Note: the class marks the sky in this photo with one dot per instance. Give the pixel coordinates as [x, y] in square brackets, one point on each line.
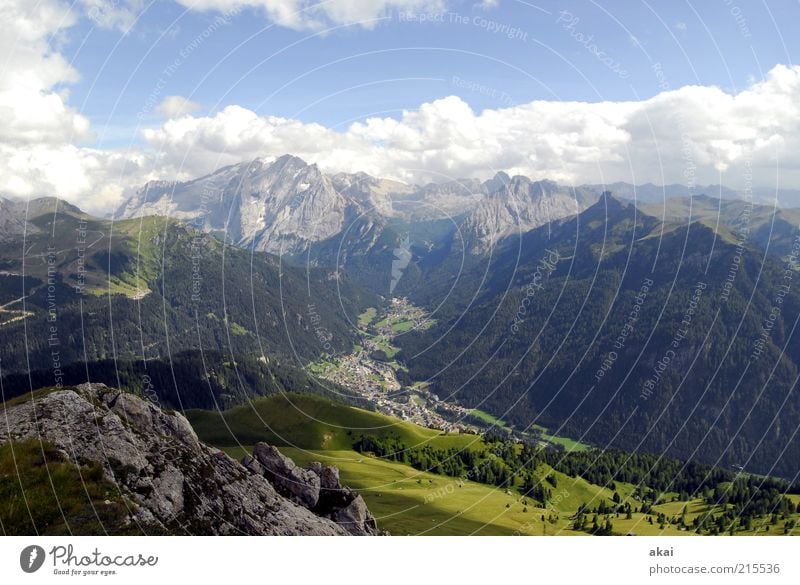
[99, 96]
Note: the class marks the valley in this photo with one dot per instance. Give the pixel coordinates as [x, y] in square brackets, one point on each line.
[412, 268]
[372, 372]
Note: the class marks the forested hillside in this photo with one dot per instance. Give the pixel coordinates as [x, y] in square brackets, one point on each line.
[620, 330]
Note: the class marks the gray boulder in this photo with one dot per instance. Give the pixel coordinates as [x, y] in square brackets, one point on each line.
[317, 488]
[298, 484]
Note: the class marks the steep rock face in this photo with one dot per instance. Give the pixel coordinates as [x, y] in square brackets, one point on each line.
[370, 192]
[168, 479]
[518, 205]
[11, 224]
[283, 206]
[279, 207]
[286, 206]
[299, 485]
[445, 200]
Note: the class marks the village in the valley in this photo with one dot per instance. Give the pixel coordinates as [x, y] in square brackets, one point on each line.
[372, 371]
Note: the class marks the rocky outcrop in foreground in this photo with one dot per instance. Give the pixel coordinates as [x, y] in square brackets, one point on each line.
[316, 488]
[171, 482]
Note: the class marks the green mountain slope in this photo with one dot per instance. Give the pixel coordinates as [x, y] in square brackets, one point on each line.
[414, 480]
[81, 290]
[312, 422]
[616, 329]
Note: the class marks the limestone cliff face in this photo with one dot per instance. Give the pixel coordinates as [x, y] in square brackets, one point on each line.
[518, 205]
[171, 482]
[286, 206]
[280, 207]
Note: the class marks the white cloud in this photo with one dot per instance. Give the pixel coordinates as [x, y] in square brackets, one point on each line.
[694, 132]
[175, 106]
[30, 111]
[93, 179]
[318, 14]
[119, 14]
[41, 136]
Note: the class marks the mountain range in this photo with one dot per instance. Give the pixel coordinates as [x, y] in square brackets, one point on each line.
[212, 291]
[356, 222]
[285, 205]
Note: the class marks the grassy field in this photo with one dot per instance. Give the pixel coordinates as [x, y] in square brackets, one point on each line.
[487, 418]
[60, 225]
[42, 493]
[311, 422]
[367, 317]
[402, 326]
[406, 501]
[309, 428]
[567, 443]
[409, 501]
[387, 348]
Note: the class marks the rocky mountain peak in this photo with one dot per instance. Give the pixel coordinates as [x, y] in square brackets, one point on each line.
[286, 206]
[288, 162]
[496, 183]
[609, 204]
[518, 206]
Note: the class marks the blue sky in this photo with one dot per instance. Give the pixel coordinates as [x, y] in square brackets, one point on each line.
[352, 72]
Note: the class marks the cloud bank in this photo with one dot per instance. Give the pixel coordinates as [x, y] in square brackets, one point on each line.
[317, 14]
[693, 134]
